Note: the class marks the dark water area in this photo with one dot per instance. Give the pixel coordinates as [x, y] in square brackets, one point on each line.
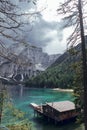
[22, 97]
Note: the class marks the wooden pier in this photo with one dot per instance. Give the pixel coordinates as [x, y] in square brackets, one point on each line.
[57, 111]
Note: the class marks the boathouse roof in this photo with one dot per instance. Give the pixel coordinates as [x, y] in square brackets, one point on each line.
[62, 106]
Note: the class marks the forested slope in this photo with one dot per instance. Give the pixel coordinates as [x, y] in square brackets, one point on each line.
[61, 73]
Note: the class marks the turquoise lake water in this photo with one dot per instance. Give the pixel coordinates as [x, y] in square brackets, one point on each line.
[22, 97]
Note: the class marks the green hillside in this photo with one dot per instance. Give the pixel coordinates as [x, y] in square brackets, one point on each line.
[59, 76]
[62, 73]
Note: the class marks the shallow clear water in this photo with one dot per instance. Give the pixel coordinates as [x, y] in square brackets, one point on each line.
[22, 97]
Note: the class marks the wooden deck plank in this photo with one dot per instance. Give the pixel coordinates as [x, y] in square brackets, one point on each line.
[58, 111]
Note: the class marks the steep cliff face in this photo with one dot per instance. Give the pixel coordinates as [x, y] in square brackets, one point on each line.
[27, 54]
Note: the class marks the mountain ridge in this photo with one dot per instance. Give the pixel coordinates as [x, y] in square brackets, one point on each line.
[28, 54]
[61, 73]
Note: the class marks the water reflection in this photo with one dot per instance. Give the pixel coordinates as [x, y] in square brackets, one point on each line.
[21, 91]
[24, 96]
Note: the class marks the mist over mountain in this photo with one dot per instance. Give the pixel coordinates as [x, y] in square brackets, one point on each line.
[28, 54]
[60, 74]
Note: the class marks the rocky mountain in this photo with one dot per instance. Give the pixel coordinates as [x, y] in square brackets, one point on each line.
[31, 60]
[62, 72]
[67, 56]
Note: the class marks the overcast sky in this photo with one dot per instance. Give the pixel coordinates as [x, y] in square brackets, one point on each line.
[47, 29]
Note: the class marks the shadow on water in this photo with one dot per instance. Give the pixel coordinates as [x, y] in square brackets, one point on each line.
[22, 97]
[42, 124]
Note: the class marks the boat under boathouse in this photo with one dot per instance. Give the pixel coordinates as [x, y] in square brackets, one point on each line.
[57, 111]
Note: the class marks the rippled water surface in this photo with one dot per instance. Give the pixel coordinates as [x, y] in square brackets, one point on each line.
[22, 97]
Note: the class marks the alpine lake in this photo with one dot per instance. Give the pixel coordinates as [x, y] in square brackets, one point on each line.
[22, 97]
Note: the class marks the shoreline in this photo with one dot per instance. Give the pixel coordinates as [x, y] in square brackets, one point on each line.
[55, 89]
[63, 90]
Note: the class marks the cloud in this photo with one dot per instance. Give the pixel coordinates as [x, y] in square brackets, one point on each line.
[42, 33]
[46, 31]
[47, 35]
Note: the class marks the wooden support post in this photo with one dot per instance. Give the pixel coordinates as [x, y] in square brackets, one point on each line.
[37, 114]
[34, 113]
[55, 122]
[48, 119]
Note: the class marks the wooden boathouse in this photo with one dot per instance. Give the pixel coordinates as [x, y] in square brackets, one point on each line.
[57, 111]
